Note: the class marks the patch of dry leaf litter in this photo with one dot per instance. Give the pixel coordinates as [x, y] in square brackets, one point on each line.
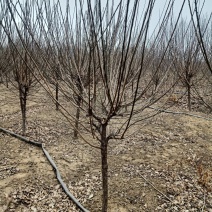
[38, 198]
[181, 191]
[179, 172]
[37, 195]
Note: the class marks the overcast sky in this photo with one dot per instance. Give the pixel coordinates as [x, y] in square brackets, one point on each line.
[157, 11]
[158, 8]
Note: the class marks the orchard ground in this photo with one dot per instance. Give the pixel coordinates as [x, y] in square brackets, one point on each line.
[165, 165]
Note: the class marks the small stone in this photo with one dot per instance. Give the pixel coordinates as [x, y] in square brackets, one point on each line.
[90, 196]
[34, 209]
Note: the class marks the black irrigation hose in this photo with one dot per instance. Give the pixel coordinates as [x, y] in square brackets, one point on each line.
[52, 164]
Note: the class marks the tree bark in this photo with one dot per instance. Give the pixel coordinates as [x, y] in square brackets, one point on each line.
[57, 87]
[23, 91]
[78, 101]
[77, 117]
[125, 99]
[57, 99]
[188, 83]
[104, 144]
[189, 96]
[7, 83]
[1, 80]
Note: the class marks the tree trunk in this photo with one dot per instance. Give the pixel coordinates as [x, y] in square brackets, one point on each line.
[57, 99]
[7, 83]
[94, 97]
[1, 80]
[57, 87]
[188, 83]
[79, 99]
[23, 100]
[189, 96]
[132, 88]
[125, 100]
[104, 144]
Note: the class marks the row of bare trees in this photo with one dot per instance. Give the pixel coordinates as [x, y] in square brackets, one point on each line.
[104, 61]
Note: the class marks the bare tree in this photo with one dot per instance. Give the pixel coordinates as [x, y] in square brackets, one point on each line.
[4, 51]
[187, 57]
[202, 39]
[20, 47]
[105, 54]
[4, 65]
[203, 25]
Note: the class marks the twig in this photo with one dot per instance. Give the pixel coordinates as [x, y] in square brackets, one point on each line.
[203, 202]
[158, 190]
